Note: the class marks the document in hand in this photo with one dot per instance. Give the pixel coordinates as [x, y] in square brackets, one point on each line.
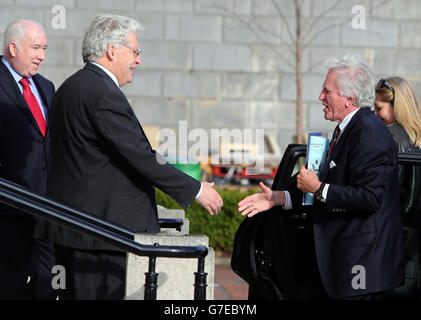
[317, 149]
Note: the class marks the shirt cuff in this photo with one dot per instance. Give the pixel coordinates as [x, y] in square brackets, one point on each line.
[324, 193]
[200, 191]
[288, 202]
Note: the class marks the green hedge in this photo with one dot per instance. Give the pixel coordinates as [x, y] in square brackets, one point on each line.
[219, 228]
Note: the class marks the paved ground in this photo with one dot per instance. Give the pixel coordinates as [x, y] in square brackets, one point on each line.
[228, 285]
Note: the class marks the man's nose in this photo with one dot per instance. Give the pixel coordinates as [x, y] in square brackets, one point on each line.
[321, 96]
[41, 54]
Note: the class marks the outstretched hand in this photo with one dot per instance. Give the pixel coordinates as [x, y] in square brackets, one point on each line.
[261, 201]
[210, 199]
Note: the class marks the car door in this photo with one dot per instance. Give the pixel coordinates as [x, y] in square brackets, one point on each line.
[410, 198]
[274, 252]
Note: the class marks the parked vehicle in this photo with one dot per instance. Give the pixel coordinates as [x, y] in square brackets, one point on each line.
[257, 165]
[274, 250]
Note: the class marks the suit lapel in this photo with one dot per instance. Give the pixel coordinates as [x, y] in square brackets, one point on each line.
[337, 149]
[358, 115]
[43, 91]
[11, 89]
[99, 71]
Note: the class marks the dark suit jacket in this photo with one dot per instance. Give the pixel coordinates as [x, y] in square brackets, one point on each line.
[360, 223]
[24, 151]
[102, 162]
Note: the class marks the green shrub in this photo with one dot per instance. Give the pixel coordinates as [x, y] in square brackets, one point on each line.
[219, 228]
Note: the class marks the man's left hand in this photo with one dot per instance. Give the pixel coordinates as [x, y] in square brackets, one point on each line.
[307, 180]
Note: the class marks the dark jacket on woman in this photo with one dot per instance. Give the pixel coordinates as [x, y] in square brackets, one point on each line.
[409, 176]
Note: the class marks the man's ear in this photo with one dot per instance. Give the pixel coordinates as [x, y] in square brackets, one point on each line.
[111, 52]
[350, 102]
[13, 48]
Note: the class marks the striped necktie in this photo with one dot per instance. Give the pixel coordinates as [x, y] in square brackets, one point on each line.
[335, 136]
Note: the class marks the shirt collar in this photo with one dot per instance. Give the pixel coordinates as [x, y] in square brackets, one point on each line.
[112, 76]
[347, 119]
[14, 73]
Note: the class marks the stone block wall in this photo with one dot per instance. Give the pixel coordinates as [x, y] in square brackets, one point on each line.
[228, 63]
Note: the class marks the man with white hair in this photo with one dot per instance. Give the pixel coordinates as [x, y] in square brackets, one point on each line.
[356, 218]
[102, 162]
[25, 98]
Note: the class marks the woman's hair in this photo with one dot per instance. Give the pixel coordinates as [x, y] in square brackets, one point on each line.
[405, 105]
[107, 29]
[355, 79]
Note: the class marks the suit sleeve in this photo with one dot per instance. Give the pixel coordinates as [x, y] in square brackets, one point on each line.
[124, 138]
[361, 184]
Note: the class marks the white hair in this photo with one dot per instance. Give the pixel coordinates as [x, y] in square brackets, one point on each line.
[15, 31]
[355, 79]
[107, 30]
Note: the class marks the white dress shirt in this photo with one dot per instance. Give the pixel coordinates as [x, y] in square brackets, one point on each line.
[342, 126]
[32, 85]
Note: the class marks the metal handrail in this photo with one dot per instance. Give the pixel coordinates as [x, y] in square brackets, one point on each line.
[172, 223]
[53, 211]
[13, 187]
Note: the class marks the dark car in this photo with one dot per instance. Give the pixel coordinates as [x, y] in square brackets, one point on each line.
[274, 250]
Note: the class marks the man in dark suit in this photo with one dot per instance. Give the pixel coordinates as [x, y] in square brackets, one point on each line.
[102, 162]
[25, 98]
[356, 218]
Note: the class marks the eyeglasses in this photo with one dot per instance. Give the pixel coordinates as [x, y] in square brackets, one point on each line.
[136, 51]
[383, 83]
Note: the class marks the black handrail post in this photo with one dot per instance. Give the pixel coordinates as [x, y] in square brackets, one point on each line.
[200, 281]
[151, 280]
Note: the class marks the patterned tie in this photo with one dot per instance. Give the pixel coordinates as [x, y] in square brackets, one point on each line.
[335, 136]
[33, 105]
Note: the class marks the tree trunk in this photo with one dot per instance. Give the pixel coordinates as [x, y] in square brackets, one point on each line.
[298, 73]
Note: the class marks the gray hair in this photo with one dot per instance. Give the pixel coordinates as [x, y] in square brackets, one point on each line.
[107, 30]
[355, 79]
[15, 32]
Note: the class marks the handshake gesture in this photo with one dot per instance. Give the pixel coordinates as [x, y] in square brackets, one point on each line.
[210, 199]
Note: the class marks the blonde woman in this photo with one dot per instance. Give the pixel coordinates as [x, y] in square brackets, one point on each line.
[397, 105]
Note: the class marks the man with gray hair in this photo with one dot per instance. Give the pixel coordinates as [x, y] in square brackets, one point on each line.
[102, 162]
[356, 218]
[25, 98]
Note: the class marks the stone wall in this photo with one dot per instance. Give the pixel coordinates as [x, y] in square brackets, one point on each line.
[218, 64]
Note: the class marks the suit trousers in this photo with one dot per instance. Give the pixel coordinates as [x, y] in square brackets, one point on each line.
[23, 259]
[92, 274]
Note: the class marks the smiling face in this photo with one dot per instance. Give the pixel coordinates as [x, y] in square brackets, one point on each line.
[336, 106]
[27, 53]
[126, 61]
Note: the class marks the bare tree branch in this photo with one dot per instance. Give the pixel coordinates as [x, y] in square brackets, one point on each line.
[332, 26]
[337, 25]
[264, 31]
[284, 19]
[319, 17]
[270, 46]
[258, 31]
